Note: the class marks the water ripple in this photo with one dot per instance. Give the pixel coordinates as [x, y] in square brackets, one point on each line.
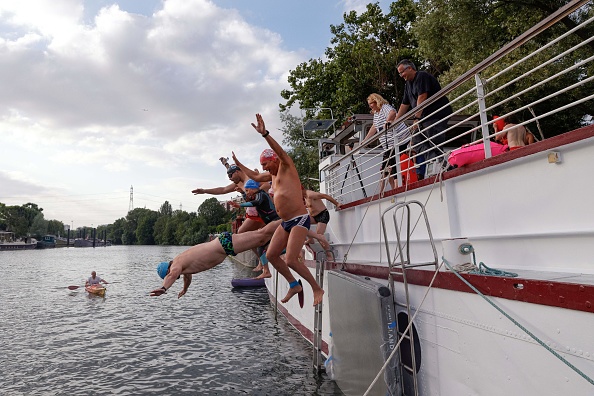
[213, 341]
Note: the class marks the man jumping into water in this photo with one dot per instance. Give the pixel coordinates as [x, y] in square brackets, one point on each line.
[207, 255]
[290, 207]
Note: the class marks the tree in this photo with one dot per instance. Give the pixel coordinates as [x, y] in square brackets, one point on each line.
[304, 152]
[454, 36]
[212, 212]
[117, 231]
[144, 229]
[165, 209]
[363, 59]
[18, 219]
[39, 226]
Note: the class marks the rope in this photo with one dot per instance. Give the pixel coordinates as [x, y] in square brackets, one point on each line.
[410, 322]
[534, 337]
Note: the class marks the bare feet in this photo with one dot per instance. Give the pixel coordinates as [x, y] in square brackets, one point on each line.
[323, 242]
[292, 291]
[318, 296]
[258, 268]
[265, 273]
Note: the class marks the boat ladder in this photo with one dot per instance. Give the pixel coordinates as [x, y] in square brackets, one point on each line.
[395, 270]
[318, 360]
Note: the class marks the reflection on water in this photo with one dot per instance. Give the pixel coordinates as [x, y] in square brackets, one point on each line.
[214, 340]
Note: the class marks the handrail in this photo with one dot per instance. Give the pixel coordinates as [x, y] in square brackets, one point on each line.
[341, 179]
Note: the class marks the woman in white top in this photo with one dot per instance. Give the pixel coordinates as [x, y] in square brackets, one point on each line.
[383, 115]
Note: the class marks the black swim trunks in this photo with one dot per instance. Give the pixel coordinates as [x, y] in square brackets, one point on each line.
[322, 217]
[226, 240]
[301, 221]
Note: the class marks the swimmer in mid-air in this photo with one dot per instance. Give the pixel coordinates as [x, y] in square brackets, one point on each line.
[205, 256]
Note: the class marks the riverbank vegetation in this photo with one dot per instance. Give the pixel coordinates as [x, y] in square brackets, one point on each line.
[140, 226]
[443, 37]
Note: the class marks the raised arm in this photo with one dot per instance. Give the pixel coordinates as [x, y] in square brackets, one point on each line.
[261, 128]
[318, 195]
[259, 177]
[216, 190]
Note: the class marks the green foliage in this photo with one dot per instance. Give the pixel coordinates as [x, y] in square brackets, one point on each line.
[362, 60]
[445, 38]
[39, 226]
[212, 212]
[18, 219]
[454, 36]
[303, 151]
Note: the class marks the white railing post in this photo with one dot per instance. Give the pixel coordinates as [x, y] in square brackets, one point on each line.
[480, 94]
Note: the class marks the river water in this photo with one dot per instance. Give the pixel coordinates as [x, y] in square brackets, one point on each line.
[213, 341]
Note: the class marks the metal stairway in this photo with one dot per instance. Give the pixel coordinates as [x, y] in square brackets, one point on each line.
[403, 254]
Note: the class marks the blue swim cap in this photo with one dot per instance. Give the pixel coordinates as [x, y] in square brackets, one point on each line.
[162, 269]
[232, 169]
[251, 184]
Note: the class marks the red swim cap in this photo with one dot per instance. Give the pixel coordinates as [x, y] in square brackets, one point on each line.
[500, 122]
[268, 155]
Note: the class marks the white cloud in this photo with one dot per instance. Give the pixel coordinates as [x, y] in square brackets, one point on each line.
[129, 94]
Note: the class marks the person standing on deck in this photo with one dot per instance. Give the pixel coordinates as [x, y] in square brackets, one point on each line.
[418, 87]
[291, 208]
[383, 115]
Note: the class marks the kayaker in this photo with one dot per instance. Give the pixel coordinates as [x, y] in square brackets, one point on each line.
[95, 280]
[205, 256]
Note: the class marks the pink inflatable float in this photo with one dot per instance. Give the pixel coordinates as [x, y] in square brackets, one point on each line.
[470, 154]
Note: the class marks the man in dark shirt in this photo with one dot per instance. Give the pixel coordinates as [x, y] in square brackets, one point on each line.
[419, 86]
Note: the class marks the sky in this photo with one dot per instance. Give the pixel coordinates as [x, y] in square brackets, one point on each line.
[98, 96]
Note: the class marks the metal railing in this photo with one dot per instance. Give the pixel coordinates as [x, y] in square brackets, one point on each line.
[522, 76]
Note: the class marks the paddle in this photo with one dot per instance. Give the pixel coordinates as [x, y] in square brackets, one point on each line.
[72, 287]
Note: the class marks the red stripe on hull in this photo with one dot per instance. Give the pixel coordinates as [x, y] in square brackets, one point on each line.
[574, 296]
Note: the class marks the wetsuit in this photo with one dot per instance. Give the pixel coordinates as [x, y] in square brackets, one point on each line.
[264, 205]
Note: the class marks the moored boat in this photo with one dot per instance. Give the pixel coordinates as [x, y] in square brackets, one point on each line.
[96, 290]
[409, 265]
[7, 242]
[47, 242]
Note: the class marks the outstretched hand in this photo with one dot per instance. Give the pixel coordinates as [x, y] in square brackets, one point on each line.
[157, 292]
[198, 191]
[261, 128]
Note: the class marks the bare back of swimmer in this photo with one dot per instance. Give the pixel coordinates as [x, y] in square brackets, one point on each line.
[207, 255]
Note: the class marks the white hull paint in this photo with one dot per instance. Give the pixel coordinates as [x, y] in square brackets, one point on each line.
[527, 211]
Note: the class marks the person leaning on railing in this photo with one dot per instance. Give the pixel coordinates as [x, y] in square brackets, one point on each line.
[383, 114]
[418, 87]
